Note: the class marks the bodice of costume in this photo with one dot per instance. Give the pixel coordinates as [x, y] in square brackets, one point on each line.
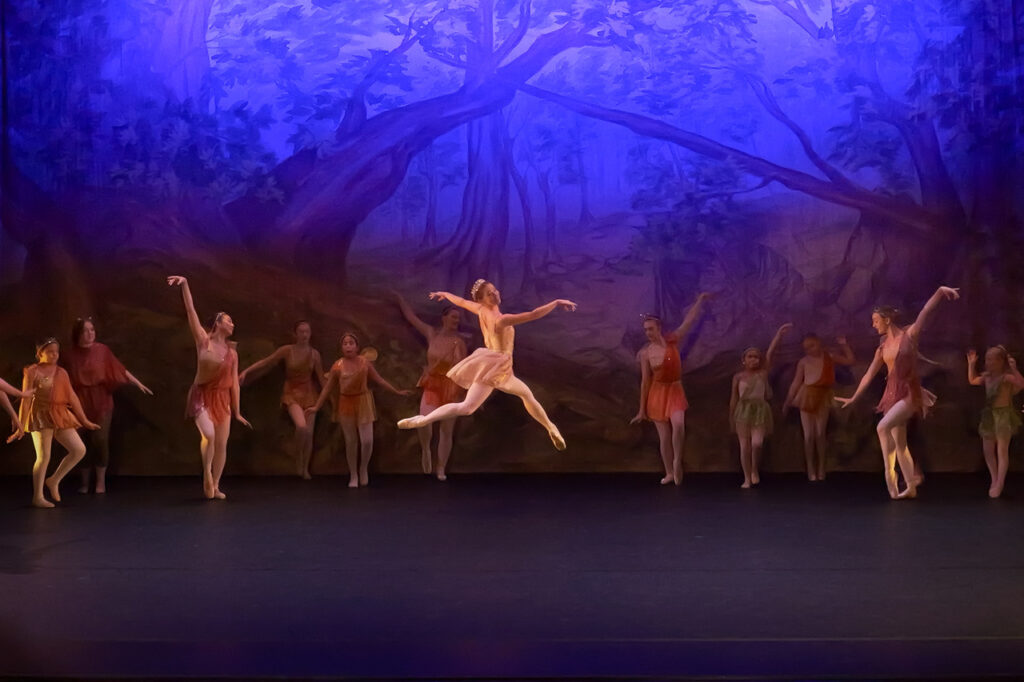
[298, 370]
[754, 387]
[671, 368]
[352, 376]
[500, 340]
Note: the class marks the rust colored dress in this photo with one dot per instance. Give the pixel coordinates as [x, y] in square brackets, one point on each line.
[213, 395]
[665, 396]
[95, 374]
[902, 381]
[354, 398]
[443, 353]
[492, 364]
[812, 397]
[50, 407]
[298, 381]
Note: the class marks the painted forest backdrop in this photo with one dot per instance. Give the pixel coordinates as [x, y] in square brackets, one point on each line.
[802, 159]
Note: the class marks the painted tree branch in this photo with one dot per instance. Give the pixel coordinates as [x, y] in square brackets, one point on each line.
[513, 41]
[903, 212]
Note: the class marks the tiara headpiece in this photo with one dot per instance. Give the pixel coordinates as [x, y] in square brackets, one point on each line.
[476, 287]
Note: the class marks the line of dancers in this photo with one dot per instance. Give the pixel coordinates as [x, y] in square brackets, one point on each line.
[57, 401]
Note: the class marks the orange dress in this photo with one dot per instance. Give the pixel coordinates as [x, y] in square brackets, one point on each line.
[298, 381]
[665, 396]
[354, 398]
[50, 407]
[213, 395]
[902, 381]
[492, 364]
[95, 373]
[443, 353]
[812, 397]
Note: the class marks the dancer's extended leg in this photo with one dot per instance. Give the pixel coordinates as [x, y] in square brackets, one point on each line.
[43, 441]
[351, 432]
[743, 434]
[665, 447]
[206, 437]
[678, 421]
[303, 439]
[72, 442]
[365, 452]
[220, 455]
[892, 436]
[475, 397]
[516, 387]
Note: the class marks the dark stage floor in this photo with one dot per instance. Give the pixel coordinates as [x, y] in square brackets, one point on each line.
[515, 576]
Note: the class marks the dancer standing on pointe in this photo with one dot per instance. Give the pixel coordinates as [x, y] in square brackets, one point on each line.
[811, 392]
[903, 397]
[490, 367]
[53, 412]
[1000, 420]
[750, 414]
[95, 374]
[445, 349]
[302, 365]
[214, 395]
[662, 399]
[348, 385]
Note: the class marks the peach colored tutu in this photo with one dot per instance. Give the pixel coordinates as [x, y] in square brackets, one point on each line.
[483, 366]
[664, 399]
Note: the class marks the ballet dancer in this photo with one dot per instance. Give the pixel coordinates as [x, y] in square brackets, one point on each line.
[903, 397]
[750, 415]
[811, 393]
[445, 348]
[95, 374]
[490, 367]
[214, 395]
[347, 383]
[53, 412]
[662, 398]
[1000, 420]
[302, 365]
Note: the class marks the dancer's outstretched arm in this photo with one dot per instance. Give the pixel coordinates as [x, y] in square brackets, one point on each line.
[471, 306]
[138, 384]
[692, 315]
[536, 313]
[941, 293]
[198, 333]
[264, 363]
[845, 355]
[332, 379]
[774, 345]
[5, 403]
[876, 365]
[385, 383]
[973, 378]
[412, 318]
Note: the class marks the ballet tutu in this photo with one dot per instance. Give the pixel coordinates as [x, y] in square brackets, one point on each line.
[813, 398]
[216, 401]
[896, 391]
[483, 366]
[755, 413]
[358, 405]
[439, 390]
[299, 393]
[999, 422]
[45, 415]
[665, 398]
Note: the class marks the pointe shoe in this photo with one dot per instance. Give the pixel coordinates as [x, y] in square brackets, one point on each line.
[53, 487]
[908, 494]
[410, 422]
[557, 439]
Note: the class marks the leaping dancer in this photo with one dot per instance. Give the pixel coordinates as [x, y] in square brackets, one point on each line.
[490, 367]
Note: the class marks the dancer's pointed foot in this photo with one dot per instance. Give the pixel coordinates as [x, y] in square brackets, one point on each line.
[811, 476]
[746, 484]
[208, 488]
[557, 439]
[995, 491]
[53, 486]
[42, 503]
[364, 477]
[441, 476]
[353, 482]
[667, 479]
[219, 495]
[908, 494]
[677, 473]
[410, 422]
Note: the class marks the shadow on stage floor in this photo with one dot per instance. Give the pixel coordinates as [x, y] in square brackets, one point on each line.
[515, 577]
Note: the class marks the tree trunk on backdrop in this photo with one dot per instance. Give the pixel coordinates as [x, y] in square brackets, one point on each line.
[430, 219]
[551, 250]
[181, 57]
[522, 190]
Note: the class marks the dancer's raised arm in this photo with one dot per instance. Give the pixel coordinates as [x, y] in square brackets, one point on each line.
[1014, 374]
[941, 293]
[198, 333]
[692, 315]
[876, 364]
[774, 345]
[412, 318]
[471, 306]
[973, 378]
[536, 313]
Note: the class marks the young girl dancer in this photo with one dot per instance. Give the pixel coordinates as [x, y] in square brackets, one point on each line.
[903, 397]
[353, 406]
[445, 348]
[213, 397]
[490, 367]
[1000, 420]
[750, 415]
[53, 412]
[662, 399]
[95, 374]
[811, 392]
[302, 365]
